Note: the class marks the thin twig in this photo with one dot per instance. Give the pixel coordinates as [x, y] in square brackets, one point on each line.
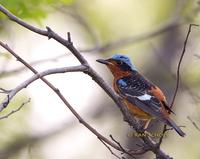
[179, 64]
[177, 79]
[193, 123]
[163, 133]
[123, 149]
[117, 142]
[16, 110]
[5, 91]
[195, 97]
[168, 129]
[109, 149]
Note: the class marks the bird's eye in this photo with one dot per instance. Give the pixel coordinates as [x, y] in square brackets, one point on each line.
[119, 62]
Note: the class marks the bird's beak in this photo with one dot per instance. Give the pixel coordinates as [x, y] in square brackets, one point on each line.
[106, 62]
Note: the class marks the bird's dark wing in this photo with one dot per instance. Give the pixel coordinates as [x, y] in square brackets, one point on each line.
[135, 90]
[133, 85]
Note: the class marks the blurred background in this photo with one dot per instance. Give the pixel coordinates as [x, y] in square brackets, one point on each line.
[150, 32]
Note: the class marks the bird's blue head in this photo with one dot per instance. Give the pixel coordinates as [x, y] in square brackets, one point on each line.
[123, 59]
[120, 61]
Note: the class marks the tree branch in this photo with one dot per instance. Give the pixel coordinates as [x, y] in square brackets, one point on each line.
[48, 33]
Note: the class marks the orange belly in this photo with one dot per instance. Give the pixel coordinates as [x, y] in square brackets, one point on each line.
[137, 112]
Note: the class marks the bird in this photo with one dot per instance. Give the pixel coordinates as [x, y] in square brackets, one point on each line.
[144, 100]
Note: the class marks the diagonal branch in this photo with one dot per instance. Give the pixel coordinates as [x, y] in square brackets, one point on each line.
[48, 33]
[21, 22]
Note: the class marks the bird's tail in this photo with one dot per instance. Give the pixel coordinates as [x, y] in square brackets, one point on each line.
[171, 123]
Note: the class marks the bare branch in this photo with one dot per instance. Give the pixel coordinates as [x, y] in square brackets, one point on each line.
[49, 33]
[22, 23]
[16, 110]
[69, 37]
